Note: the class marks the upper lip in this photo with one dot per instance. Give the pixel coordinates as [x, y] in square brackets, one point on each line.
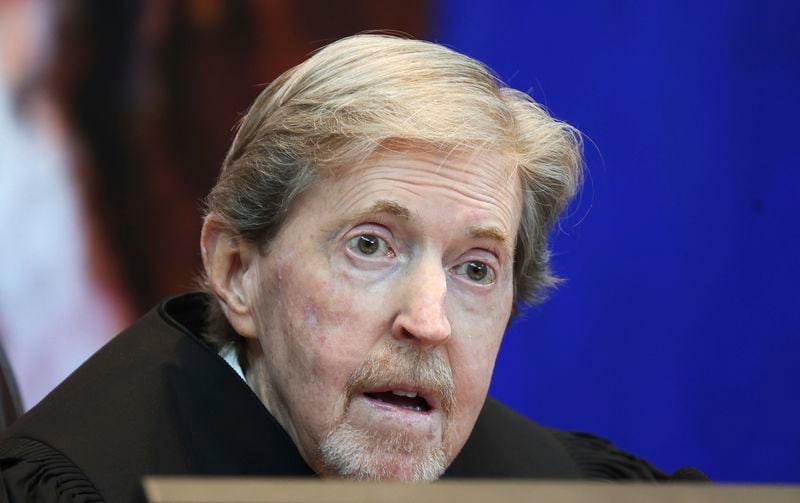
[431, 397]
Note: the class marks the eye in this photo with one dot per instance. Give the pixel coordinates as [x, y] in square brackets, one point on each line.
[369, 245]
[477, 272]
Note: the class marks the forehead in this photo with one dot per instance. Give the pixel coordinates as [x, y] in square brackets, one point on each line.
[485, 184]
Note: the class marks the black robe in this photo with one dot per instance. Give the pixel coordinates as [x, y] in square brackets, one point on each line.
[158, 400]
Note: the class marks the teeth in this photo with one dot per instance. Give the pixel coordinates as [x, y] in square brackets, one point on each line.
[409, 394]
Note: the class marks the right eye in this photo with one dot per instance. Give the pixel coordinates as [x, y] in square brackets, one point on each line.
[369, 245]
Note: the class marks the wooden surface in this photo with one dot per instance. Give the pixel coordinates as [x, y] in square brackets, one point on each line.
[249, 490]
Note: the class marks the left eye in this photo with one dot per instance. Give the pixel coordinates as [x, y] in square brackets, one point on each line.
[369, 245]
[475, 271]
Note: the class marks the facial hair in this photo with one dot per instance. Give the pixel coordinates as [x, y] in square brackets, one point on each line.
[353, 452]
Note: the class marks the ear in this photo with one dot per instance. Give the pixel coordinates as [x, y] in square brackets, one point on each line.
[228, 260]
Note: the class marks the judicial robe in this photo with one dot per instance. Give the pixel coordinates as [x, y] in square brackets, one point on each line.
[158, 400]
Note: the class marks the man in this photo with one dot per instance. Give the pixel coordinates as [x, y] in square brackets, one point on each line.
[383, 207]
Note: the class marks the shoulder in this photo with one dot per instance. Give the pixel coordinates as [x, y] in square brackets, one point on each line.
[599, 459]
[125, 379]
[504, 444]
[33, 471]
[157, 400]
[507, 444]
[133, 396]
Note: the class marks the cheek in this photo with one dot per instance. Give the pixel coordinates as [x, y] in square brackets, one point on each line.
[473, 352]
[473, 372]
[472, 364]
[329, 330]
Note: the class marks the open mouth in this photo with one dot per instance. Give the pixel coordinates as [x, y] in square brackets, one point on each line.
[403, 399]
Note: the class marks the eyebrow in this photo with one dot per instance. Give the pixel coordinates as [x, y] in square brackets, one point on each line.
[391, 207]
[495, 234]
[477, 232]
[386, 206]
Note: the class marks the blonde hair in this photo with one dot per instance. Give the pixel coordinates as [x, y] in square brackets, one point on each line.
[359, 94]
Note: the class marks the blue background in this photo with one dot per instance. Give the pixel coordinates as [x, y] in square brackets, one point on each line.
[677, 334]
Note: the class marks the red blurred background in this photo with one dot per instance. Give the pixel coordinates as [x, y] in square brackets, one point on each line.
[116, 117]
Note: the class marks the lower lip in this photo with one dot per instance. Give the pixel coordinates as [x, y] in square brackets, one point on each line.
[394, 408]
[375, 414]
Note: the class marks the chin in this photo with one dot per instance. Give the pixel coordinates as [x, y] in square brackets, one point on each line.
[356, 454]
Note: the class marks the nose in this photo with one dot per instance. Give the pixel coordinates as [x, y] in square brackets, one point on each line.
[423, 313]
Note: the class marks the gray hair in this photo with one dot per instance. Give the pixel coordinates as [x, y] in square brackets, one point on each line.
[357, 95]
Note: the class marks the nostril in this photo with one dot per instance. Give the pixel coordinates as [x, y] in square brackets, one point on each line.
[427, 332]
[405, 334]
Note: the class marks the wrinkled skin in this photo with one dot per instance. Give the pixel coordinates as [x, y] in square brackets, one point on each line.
[408, 250]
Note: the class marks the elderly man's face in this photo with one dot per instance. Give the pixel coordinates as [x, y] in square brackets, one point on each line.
[379, 309]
